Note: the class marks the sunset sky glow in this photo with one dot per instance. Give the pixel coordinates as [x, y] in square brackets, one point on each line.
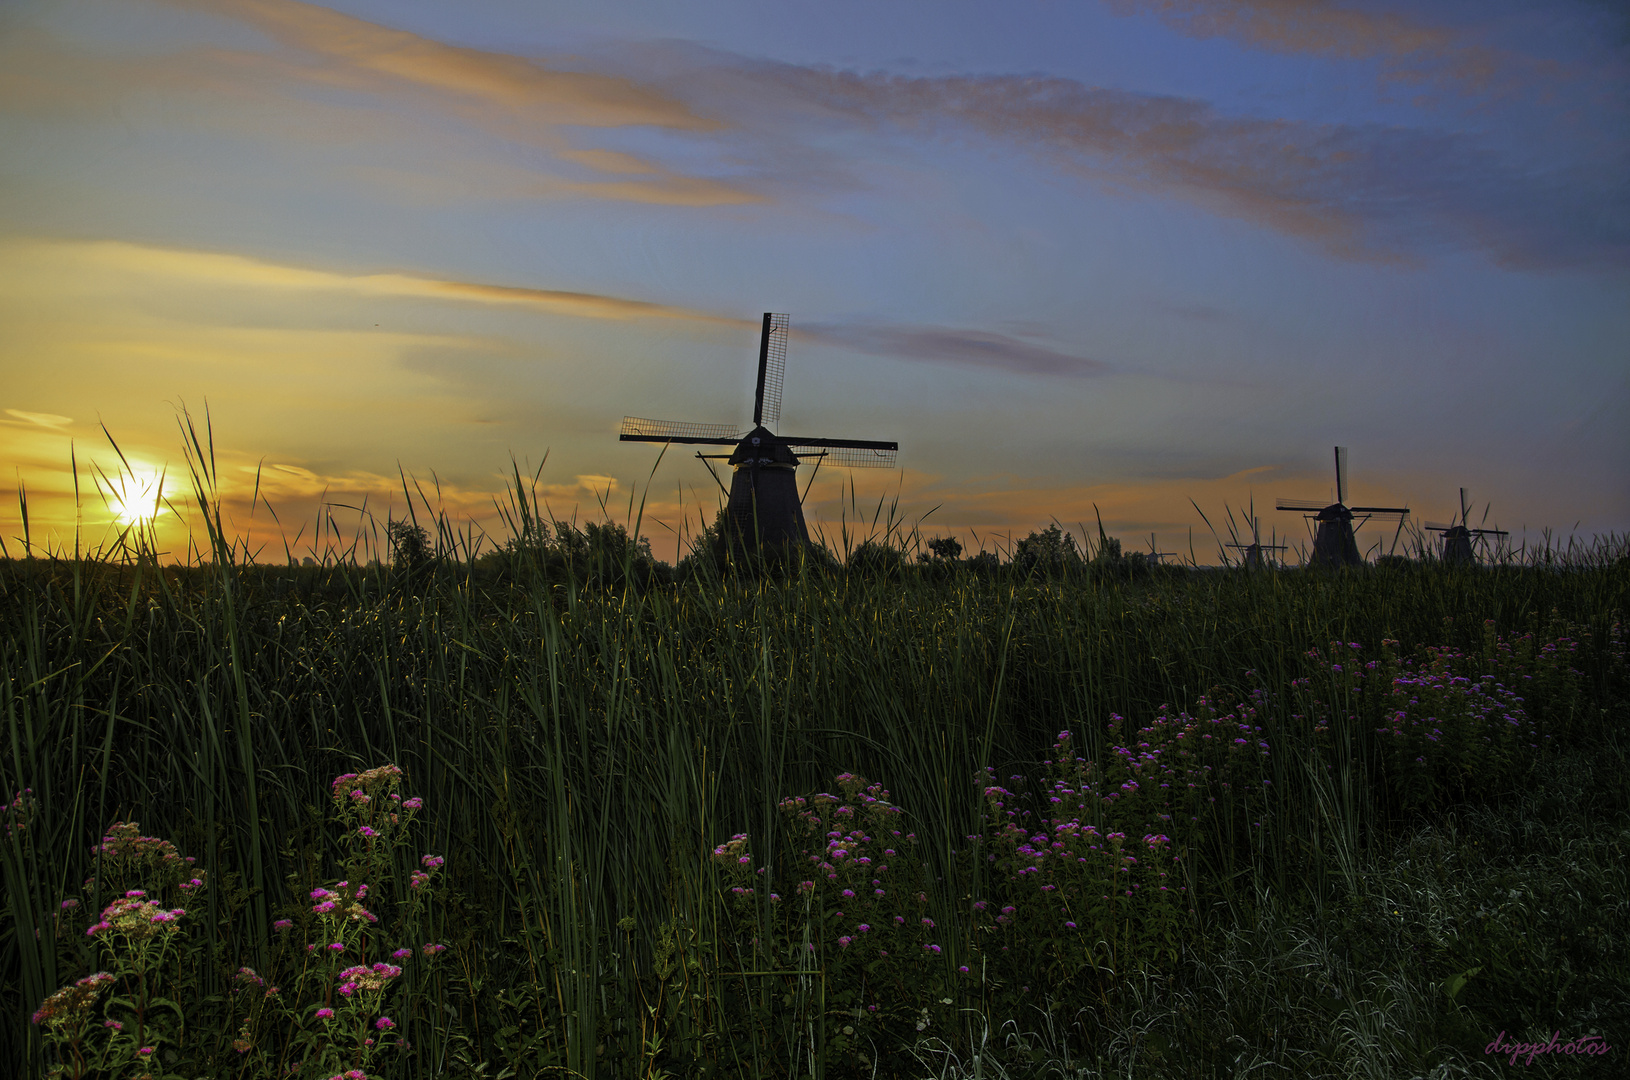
[1069, 253]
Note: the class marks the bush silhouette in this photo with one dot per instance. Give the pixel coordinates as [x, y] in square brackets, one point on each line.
[410, 546]
[875, 558]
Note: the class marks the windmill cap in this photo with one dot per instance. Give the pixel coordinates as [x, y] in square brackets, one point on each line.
[760, 446]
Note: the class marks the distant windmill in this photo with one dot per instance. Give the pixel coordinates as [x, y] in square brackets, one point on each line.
[1254, 559]
[1457, 537]
[1333, 542]
[764, 490]
[1158, 558]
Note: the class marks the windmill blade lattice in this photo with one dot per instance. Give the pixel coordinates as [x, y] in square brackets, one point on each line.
[772, 366]
[772, 369]
[640, 429]
[850, 457]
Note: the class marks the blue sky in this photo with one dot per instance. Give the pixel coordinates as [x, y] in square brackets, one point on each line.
[1117, 254]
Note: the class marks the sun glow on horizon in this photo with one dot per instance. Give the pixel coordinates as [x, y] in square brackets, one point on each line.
[135, 498]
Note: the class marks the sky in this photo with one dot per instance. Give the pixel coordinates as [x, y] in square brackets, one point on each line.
[1137, 261]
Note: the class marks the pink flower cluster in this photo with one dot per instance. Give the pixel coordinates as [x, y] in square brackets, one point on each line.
[356, 786]
[19, 811]
[849, 842]
[247, 979]
[124, 854]
[364, 979]
[135, 917]
[343, 903]
[70, 1002]
[421, 878]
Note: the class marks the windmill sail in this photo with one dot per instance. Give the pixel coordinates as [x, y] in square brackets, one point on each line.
[851, 454]
[1341, 474]
[639, 429]
[772, 369]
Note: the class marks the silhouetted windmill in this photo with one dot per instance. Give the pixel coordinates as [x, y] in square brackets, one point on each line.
[764, 489]
[1253, 551]
[1333, 542]
[1457, 537]
[1158, 558]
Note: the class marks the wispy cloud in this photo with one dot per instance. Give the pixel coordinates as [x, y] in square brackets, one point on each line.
[322, 71]
[219, 269]
[945, 345]
[666, 188]
[37, 419]
[751, 131]
[363, 55]
[1360, 190]
[932, 344]
[1407, 46]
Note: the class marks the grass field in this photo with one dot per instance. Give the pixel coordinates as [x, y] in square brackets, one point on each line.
[932, 818]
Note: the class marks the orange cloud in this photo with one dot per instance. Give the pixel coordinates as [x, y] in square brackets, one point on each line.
[669, 190]
[611, 161]
[515, 98]
[366, 52]
[148, 263]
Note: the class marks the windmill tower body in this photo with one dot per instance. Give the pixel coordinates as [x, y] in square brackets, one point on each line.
[1457, 546]
[763, 506]
[764, 491]
[1333, 541]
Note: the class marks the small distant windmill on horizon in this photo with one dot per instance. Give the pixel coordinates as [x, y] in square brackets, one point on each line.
[764, 490]
[1333, 541]
[1457, 536]
[1253, 557]
[1158, 558]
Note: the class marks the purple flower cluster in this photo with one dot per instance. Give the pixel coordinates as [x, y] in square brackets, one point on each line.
[1065, 866]
[1444, 719]
[860, 865]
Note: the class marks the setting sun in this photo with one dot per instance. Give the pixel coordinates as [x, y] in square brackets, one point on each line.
[134, 498]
